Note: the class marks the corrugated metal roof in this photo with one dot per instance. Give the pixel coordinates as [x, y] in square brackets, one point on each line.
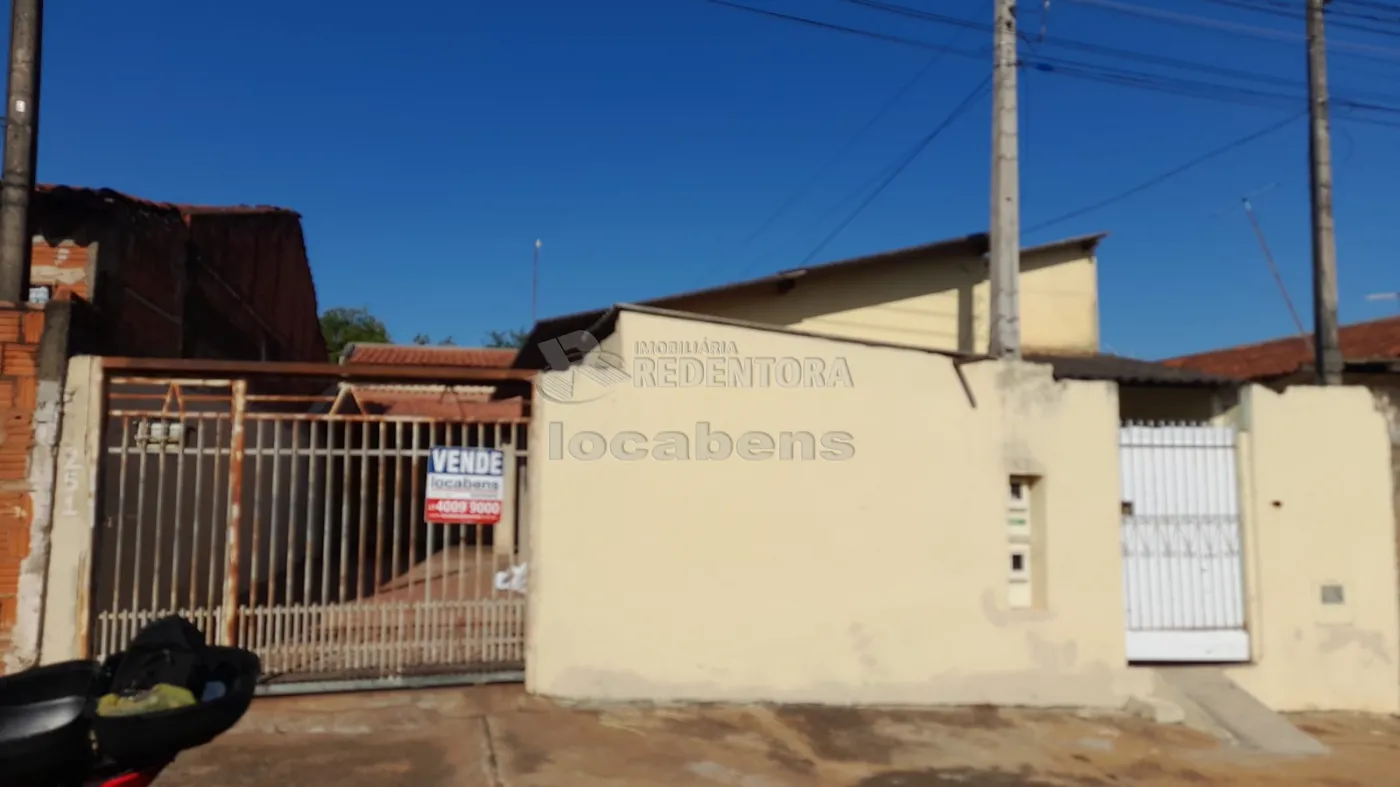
[1364, 341]
[1129, 371]
[111, 195]
[423, 355]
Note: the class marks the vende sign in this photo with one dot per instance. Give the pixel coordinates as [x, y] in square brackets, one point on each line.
[466, 486]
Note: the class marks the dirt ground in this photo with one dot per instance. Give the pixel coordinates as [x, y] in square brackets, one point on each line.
[496, 736]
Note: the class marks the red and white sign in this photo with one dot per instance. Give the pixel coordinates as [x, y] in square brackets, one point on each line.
[466, 486]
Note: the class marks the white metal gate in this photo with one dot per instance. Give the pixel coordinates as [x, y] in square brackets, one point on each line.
[1183, 583]
[287, 519]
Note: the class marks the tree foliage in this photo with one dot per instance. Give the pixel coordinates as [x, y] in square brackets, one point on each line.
[503, 340]
[343, 326]
[423, 340]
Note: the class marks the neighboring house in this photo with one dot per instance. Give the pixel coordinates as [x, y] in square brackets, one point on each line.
[1028, 544]
[936, 296]
[945, 529]
[179, 281]
[112, 274]
[451, 403]
[1370, 354]
[933, 296]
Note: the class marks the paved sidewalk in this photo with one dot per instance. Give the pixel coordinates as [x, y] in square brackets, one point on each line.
[498, 737]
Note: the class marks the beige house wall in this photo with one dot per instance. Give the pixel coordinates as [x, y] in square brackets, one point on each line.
[884, 578]
[1319, 497]
[879, 579]
[936, 302]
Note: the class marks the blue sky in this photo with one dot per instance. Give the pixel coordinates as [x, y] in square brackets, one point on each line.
[644, 140]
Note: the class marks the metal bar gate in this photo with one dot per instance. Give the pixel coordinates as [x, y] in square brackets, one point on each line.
[1183, 581]
[292, 524]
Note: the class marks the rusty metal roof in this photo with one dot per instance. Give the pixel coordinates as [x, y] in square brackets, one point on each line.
[112, 196]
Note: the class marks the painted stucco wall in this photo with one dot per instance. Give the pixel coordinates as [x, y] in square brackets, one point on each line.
[882, 578]
[937, 302]
[1317, 477]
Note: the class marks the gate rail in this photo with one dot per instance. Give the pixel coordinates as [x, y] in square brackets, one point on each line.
[279, 508]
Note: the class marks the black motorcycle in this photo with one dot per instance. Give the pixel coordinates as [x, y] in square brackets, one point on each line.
[121, 722]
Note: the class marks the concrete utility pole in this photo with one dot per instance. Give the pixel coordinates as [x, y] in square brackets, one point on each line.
[1328, 354]
[1005, 235]
[21, 147]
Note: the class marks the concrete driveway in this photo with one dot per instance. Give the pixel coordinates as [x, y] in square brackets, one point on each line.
[497, 736]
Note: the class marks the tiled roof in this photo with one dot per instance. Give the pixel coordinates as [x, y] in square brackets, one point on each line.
[1364, 341]
[1125, 370]
[441, 402]
[420, 355]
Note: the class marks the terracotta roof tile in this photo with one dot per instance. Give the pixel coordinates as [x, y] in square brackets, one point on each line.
[442, 402]
[419, 355]
[1364, 341]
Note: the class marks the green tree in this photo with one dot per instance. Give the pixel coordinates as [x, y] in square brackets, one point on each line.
[422, 340]
[503, 340]
[343, 326]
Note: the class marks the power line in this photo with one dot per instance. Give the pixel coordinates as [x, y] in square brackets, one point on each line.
[1096, 48]
[1167, 175]
[1098, 72]
[903, 164]
[1337, 17]
[846, 148]
[1254, 31]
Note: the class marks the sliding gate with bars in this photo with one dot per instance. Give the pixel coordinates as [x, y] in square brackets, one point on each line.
[292, 524]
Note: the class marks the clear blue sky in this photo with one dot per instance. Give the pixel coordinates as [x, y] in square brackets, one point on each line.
[428, 143]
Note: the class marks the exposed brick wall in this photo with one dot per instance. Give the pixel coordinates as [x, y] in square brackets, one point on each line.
[20, 331]
[62, 267]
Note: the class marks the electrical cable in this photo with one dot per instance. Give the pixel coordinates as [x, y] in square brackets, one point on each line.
[1096, 48]
[1101, 73]
[1266, 33]
[846, 148]
[1167, 175]
[903, 163]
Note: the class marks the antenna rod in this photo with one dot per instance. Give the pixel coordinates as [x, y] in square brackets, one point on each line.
[535, 286]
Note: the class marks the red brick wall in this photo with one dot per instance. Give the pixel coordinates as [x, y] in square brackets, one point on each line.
[62, 268]
[20, 330]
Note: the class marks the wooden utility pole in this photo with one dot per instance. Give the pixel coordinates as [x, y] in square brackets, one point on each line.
[21, 147]
[1328, 354]
[1005, 235]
